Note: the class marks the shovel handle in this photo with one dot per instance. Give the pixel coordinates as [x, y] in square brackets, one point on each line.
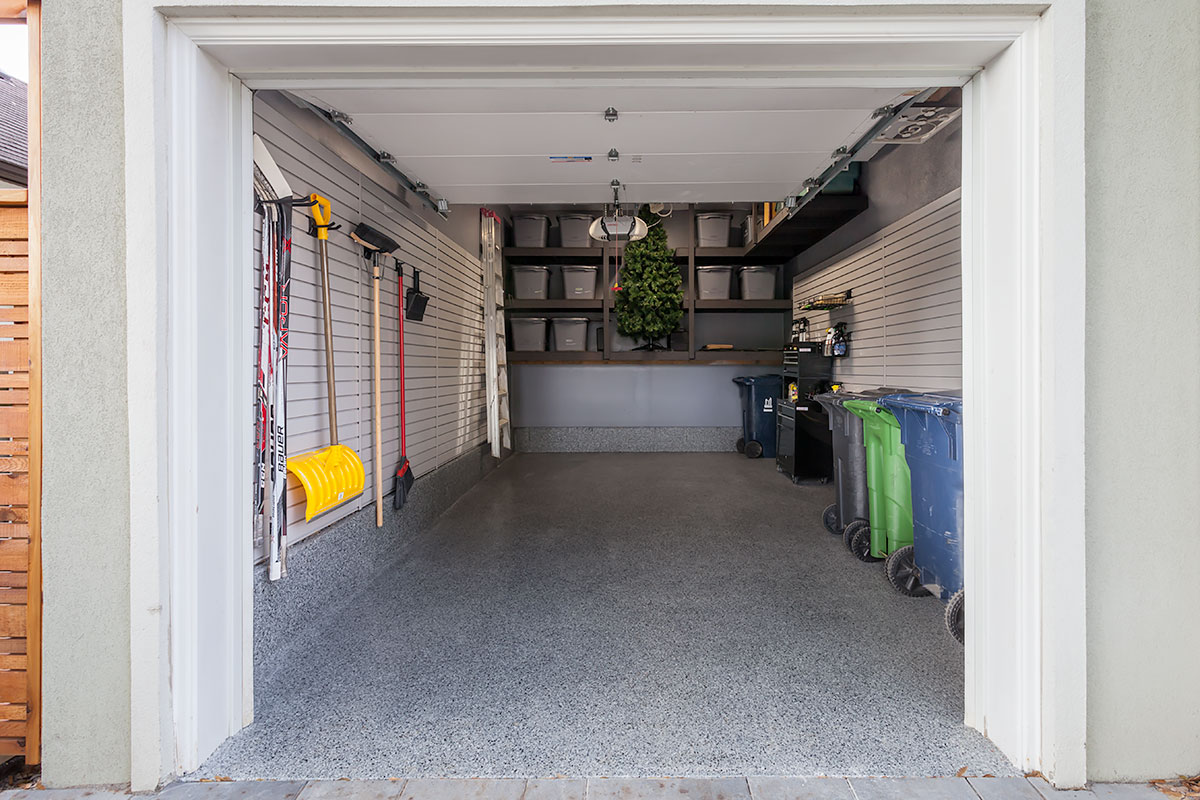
[322, 212]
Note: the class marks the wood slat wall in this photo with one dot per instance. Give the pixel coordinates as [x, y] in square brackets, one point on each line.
[444, 356]
[20, 585]
[905, 318]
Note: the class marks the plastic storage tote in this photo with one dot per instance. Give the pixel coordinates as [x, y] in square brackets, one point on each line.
[713, 282]
[573, 230]
[849, 460]
[579, 282]
[712, 230]
[530, 282]
[760, 399]
[528, 333]
[931, 429]
[889, 493]
[570, 333]
[530, 230]
[758, 283]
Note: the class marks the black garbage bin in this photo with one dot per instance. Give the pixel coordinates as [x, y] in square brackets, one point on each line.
[760, 400]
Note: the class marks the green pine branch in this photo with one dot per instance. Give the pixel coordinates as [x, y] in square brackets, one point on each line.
[649, 303]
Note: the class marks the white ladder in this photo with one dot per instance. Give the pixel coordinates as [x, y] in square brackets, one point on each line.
[496, 346]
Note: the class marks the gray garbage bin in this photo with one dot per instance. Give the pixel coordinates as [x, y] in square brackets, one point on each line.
[849, 459]
[528, 333]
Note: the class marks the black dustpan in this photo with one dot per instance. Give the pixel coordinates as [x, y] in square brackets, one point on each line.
[415, 300]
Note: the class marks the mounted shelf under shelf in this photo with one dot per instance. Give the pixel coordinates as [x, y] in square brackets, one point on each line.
[553, 356]
[825, 302]
[766, 358]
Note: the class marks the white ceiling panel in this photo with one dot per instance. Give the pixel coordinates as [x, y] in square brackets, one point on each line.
[517, 170]
[640, 132]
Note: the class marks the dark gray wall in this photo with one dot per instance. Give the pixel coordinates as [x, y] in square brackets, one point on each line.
[898, 181]
[626, 396]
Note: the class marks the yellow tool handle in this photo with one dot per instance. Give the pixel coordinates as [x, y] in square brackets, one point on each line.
[322, 213]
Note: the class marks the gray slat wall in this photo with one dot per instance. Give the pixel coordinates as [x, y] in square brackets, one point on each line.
[905, 315]
[444, 358]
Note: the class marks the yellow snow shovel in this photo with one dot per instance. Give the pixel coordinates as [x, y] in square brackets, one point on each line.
[335, 474]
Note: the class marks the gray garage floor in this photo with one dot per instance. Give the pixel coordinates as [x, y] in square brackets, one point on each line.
[620, 614]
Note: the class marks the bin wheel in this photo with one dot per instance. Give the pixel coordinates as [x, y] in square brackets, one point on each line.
[831, 519]
[902, 573]
[857, 537]
[956, 621]
[740, 446]
[753, 449]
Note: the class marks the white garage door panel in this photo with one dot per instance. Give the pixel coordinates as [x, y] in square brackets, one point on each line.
[594, 99]
[565, 134]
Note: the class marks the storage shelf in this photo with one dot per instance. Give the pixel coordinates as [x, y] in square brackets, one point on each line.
[553, 357]
[743, 305]
[767, 358]
[554, 255]
[649, 355]
[719, 255]
[551, 304]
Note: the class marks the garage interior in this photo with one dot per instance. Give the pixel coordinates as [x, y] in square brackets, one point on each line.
[621, 592]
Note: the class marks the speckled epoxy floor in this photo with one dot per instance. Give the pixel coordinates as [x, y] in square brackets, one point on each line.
[619, 614]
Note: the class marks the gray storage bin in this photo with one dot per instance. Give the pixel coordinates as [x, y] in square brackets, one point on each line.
[570, 333]
[528, 333]
[579, 282]
[758, 283]
[573, 229]
[712, 230]
[530, 230]
[713, 282]
[530, 282]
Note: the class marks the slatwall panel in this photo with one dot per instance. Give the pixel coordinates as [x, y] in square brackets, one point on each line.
[444, 355]
[905, 317]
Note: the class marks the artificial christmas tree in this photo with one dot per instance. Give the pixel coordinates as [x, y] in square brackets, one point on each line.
[649, 290]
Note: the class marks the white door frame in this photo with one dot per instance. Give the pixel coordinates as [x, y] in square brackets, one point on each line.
[1023, 314]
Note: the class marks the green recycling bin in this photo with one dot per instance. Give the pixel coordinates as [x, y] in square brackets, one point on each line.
[889, 487]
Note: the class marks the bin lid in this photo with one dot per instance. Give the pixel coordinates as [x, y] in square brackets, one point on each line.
[530, 216]
[529, 268]
[557, 320]
[758, 268]
[715, 215]
[838, 398]
[940, 404]
[871, 410]
[588, 217]
[578, 267]
[527, 320]
[711, 267]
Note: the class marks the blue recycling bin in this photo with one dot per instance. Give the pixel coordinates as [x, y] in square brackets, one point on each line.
[760, 400]
[932, 434]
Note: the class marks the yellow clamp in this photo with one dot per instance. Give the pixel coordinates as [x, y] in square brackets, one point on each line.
[322, 213]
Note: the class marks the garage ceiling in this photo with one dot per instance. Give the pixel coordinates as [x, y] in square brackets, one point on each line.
[478, 122]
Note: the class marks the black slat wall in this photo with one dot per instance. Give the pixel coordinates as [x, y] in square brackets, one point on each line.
[905, 318]
[444, 358]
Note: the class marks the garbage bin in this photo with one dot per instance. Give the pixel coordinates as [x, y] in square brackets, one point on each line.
[931, 430]
[760, 398]
[849, 459]
[889, 493]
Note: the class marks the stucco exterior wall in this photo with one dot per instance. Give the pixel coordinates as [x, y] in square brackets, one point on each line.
[1143, 336]
[85, 517]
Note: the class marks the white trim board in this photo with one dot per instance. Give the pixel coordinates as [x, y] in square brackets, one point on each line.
[1031, 91]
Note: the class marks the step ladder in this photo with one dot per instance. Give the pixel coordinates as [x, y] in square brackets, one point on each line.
[495, 344]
